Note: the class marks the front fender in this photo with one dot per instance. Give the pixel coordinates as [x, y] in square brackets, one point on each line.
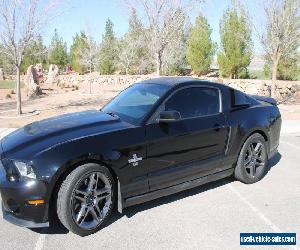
[53, 164]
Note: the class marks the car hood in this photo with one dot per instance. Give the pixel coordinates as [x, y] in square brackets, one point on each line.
[58, 129]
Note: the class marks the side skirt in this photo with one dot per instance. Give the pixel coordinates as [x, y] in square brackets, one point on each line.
[177, 188]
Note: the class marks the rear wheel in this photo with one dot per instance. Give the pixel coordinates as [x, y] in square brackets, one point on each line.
[86, 199]
[252, 164]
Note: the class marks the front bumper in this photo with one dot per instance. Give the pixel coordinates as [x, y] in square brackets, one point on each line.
[10, 217]
[15, 196]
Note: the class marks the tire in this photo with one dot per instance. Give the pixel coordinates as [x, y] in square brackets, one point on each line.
[81, 197]
[252, 164]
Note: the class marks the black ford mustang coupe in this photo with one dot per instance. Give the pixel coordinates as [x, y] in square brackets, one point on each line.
[156, 138]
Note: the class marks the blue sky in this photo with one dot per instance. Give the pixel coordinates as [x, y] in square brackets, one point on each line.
[91, 15]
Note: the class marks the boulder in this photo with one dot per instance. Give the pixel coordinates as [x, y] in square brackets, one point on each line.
[39, 70]
[32, 82]
[52, 78]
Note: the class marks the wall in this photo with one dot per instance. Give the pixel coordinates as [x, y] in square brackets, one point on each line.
[285, 89]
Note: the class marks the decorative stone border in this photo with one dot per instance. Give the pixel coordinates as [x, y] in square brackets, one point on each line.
[251, 86]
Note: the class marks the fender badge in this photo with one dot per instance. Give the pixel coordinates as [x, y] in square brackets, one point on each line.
[135, 160]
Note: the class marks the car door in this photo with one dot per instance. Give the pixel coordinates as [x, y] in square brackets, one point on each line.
[191, 147]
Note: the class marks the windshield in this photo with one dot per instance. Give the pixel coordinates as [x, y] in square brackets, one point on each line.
[134, 103]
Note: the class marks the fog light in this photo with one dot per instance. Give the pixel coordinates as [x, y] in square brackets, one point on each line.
[12, 205]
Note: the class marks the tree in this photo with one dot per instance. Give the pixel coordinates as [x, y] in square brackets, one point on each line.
[174, 55]
[35, 53]
[164, 21]
[83, 53]
[132, 51]
[58, 52]
[200, 47]
[282, 32]
[108, 50]
[5, 63]
[20, 23]
[126, 53]
[87, 53]
[236, 45]
[2, 57]
[142, 63]
[287, 68]
[78, 44]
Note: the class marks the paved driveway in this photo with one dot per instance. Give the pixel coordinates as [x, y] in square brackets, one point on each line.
[207, 217]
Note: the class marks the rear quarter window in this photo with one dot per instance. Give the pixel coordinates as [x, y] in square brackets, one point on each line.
[239, 98]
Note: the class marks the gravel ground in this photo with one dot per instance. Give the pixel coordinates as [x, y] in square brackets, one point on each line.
[208, 217]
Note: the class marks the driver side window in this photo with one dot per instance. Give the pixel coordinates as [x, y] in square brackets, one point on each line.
[194, 102]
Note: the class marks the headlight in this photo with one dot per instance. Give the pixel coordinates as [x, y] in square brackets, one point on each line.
[24, 169]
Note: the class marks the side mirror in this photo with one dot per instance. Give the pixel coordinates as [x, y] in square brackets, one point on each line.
[169, 116]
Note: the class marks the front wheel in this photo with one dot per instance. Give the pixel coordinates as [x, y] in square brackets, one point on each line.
[86, 199]
[252, 163]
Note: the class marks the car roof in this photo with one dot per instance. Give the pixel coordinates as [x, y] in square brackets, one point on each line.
[178, 81]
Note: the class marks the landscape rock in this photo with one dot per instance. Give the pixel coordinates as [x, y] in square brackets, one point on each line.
[52, 78]
[32, 82]
[39, 69]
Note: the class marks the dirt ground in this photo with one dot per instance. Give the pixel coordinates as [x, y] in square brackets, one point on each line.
[52, 103]
[61, 101]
